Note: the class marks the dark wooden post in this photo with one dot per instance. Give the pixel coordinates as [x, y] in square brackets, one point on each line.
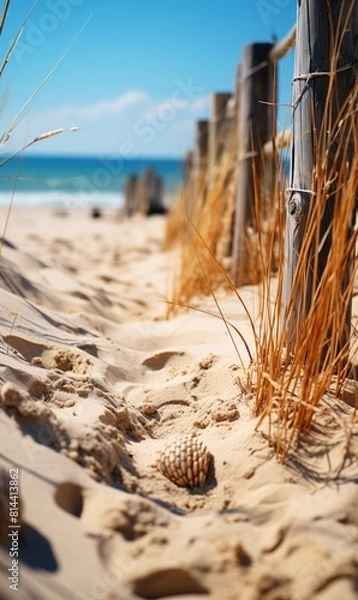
[201, 158]
[131, 191]
[188, 166]
[232, 113]
[152, 200]
[201, 144]
[325, 77]
[217, 132]
[256, 124]
[189, 181]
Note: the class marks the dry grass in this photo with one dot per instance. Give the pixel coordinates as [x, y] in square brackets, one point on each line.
[291, 381]
[5, 136]
[176, 225]
[303, 352]
[303, 348]
[203, 229]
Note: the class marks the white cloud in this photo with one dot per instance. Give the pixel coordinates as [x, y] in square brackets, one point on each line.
[200, 104]
[179, 105]
[161, 126]
[103, 108]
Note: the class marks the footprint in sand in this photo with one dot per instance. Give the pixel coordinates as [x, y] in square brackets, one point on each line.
[69, 497]
[49, 357]
[24, 348]
[167, 582]
[129, 520]
[34, 418]
[64, 359]
[160, 360]
[99, 447]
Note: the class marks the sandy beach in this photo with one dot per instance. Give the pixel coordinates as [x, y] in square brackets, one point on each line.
[95, 380]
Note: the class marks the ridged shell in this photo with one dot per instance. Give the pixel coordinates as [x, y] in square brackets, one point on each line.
[185, 461]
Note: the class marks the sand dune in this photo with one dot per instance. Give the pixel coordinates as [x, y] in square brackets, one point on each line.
[95, 380]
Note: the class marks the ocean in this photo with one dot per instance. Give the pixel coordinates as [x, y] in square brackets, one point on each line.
[78, 182]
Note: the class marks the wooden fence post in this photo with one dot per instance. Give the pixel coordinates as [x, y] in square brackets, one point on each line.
[200, 156]
[238, 81]
[232, 114]
[188, 166]
[188, 182]
[152, 197]
[201, 144]
[233, 106]
[256, 123]
[325, 74]
[131, 194]
[217, 122]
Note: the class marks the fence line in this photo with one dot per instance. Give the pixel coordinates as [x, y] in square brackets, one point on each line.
[231, 117]
[251, 118]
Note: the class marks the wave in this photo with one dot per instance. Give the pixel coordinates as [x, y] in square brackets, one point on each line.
[63, 200]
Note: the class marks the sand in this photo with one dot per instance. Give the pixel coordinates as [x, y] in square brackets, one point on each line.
[95, 380]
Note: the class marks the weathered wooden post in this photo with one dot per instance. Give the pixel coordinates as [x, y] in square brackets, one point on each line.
[201, 145]
[131, 192]
[152, 201]
[230, 125]
[201, 157]
[188, 181]
[232, 114]
[325, 77]
[238, 82]
[188, 166]
[217, 123]
[256, 122]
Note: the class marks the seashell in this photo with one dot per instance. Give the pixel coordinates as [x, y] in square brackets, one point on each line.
[185, 461]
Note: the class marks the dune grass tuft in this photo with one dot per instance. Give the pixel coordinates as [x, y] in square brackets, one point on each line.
[203, 229]
[293, 376]
[303, 353]
[304, 350]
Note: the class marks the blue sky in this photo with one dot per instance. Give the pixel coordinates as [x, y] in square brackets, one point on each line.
[136, 76]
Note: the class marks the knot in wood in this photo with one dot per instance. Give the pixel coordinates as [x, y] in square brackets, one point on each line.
[296, 206]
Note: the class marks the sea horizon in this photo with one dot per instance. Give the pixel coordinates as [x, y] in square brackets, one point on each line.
[65, 181]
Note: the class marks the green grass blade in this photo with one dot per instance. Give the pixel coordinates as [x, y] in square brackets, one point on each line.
[4, 14]
[16, 39]
[22, 112]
